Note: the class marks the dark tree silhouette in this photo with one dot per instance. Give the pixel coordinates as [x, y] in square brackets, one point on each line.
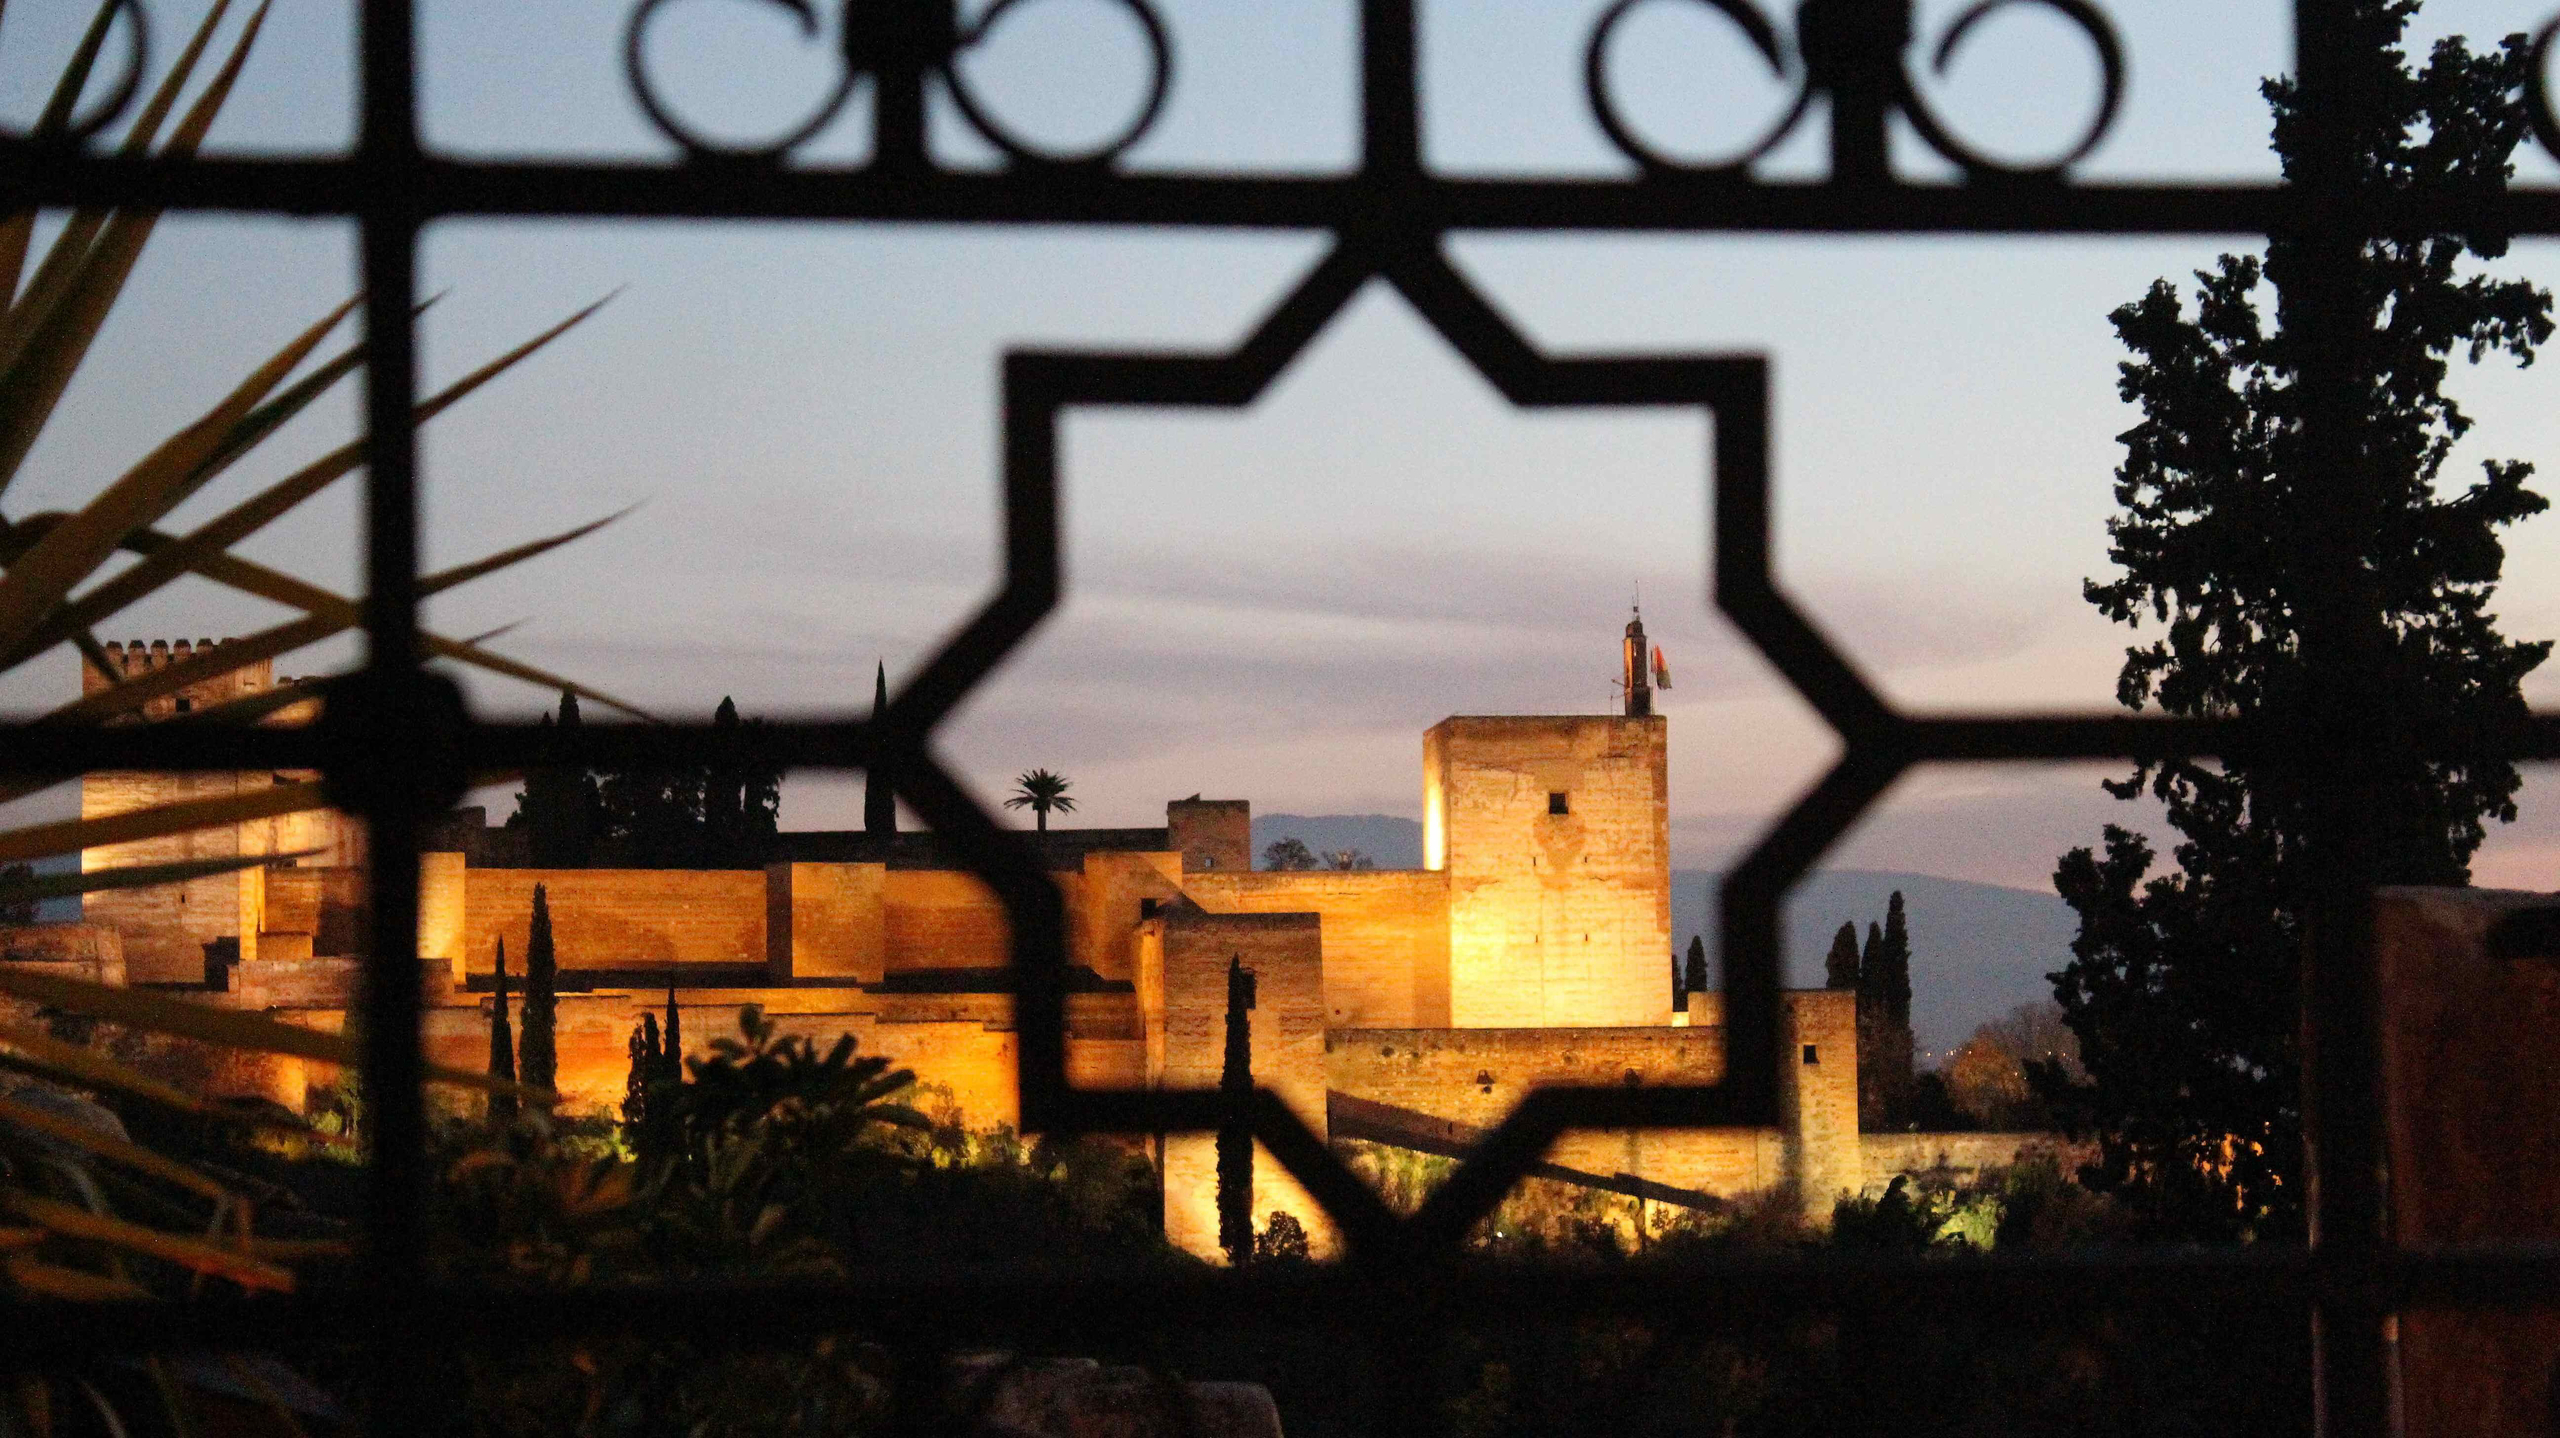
[539, 1063]
[1235, 1133]
[1884, 1021]
[559, 808]
[1694, 979]
[1288, 853]
[502, 1046]
[2183, 986]
[1040, 791]
[1840, 966]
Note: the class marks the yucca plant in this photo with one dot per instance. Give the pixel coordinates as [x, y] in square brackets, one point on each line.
[64, 1232]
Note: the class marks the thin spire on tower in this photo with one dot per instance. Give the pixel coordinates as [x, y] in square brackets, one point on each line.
[879, 794]
[1639, 677]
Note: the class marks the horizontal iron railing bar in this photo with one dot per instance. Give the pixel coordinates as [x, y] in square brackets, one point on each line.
[440, 188]
[1959, 737]
[42, 748]
[977, 1304]
[67, 750]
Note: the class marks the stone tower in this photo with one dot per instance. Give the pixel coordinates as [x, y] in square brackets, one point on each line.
[167, 928]
[1555, 832]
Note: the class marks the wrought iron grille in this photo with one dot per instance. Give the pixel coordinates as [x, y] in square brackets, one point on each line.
[396, 741]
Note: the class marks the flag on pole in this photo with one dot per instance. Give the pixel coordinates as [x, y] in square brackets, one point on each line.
[1661, 671]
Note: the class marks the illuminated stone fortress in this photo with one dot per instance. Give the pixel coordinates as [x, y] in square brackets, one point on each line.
[1408, 1007]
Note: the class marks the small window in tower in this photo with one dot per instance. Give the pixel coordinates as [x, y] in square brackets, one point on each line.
[1559, 802]
[186, 705]
[1810, 1056]
[1148, 908]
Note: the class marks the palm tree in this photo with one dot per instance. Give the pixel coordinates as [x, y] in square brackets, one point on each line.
[1041, 791]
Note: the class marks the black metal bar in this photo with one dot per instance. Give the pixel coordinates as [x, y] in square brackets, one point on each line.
[393, 1069]
[2335, 759]
[1059, 195]
[1390, 99]
[1024, 1306]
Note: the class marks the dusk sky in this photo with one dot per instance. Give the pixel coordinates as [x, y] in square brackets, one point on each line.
[1270, 604]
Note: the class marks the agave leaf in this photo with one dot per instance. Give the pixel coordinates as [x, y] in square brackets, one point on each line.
[132, 876]
[51, 1280]
[191, 1253]
[20, 227]
[132, 1155]
[485, 635]
[230, 1028]
[250, 516]
[34, 379]
[70, 836]
[133, 693]
[285, 589]
[62, 262]
[90, 1069]
[73, 549]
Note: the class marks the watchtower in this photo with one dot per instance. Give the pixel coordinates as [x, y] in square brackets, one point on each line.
[1555, 832]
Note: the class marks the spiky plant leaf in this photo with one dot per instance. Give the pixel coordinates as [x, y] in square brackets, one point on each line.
[62, 262]
[192, 1253]
[33, 381]
[19, 229]
[230, 1028]
[26, 1048]
[71, 550]
[70, 836]
[115, 1150]
[39, 887]
[250, 516]
[231, 655]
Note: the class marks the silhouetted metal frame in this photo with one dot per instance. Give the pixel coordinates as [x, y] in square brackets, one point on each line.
[396, 742]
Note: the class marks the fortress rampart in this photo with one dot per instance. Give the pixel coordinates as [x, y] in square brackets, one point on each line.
[1533, 949]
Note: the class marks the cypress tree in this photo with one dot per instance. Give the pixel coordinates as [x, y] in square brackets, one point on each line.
[636, 1081]
[1893, 986]
[541, 1046]
[1235, 1135]
[502, 1046]
[1696, 977]
[671, 1062]
[557, 809]
[1840, 966]
[879, 792]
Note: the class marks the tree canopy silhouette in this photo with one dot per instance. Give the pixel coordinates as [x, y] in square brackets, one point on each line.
[2183, 986]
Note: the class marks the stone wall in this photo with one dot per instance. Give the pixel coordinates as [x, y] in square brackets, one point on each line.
[617, 918]
[825, 921]
[1555, 834]
[1475, 1077]
[1386, 936]
[1288, 1050]
[936, 919]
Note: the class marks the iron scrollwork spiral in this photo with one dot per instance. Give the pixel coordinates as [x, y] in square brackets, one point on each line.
[73, 125]
[2537, 88]
[1854, 49]
[917, 37]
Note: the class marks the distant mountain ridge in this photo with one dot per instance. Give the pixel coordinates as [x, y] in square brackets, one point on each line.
[1977, 950]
